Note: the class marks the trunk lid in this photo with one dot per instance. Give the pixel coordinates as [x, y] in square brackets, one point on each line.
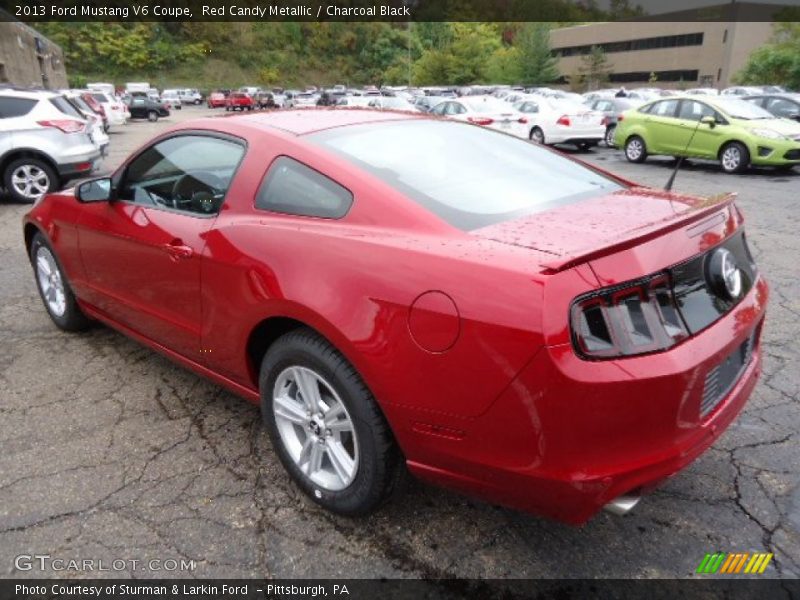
[586, 230]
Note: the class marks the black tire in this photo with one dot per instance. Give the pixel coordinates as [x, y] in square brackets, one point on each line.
[380, 463]
[734, 157]
[609, 138]
[635, 149]
[227, 109]
[72, 318]
[197, 102]
[537, 135]
[44, 176]
[583, 146]
[152, 116]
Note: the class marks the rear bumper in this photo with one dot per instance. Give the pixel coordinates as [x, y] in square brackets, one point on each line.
[79, 165]
[569, 436]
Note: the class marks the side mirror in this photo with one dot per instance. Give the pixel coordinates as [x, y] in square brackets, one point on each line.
[96, 190]
[710, 121]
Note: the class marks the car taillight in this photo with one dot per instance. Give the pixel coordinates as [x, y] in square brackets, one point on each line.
[563, 120]
[65, 125]
[522, 120]
[626, 320]
[480, 120]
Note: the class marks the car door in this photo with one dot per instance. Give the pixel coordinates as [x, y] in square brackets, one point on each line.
[699, 139]
[663, 129]
[142, 251]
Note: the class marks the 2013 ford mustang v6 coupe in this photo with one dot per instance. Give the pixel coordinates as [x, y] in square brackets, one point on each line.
[400, 293]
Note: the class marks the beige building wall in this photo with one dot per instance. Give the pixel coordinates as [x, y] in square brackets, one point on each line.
[24, 61]
[724, 50]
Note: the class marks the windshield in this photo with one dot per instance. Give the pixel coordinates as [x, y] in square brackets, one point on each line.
[469, 176]
[742, 109]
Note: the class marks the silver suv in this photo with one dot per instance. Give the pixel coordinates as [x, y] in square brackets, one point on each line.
[44, 143]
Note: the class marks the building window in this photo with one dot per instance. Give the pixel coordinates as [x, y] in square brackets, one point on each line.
[687, 75]
[653, 43]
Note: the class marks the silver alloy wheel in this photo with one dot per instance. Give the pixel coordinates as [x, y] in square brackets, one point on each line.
[731, 158]
[634, 149]
[30, 181]
[50, 282]
[315, 428]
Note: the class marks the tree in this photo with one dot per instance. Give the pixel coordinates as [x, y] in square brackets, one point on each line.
[777, 62]
[595, 68]
[504, 66]
[537, 63]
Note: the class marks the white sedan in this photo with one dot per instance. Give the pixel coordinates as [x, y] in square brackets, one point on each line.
[557, 121]
[484, 110]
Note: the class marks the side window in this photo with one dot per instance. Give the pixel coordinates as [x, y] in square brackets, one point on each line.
[531, 107]
[694, 111]
[187, 173]
[15, 107]
[458, 109]
[439, 108]
[664, 108]
[292, 188]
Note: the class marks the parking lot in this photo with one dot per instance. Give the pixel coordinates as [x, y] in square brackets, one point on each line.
[111, 451]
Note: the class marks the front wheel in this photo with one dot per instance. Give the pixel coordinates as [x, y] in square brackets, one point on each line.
[325, 425]
[734, 157]
[58, 299]
[152, 116]
[635, 149]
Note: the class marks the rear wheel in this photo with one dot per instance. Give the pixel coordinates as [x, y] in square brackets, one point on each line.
[734, 157]
[152, 116]
[635, 149]
[610, 135]
[325, 425]
[537, 135]
[54, 289]
[28, 179]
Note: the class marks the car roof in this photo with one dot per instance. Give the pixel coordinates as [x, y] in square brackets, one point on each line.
[30, 94]
[309, 120]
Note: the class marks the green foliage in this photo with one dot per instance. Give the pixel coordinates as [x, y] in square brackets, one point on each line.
[537, 63]
[777, 62]
[77, 81]
[595, 68]
[230, 54]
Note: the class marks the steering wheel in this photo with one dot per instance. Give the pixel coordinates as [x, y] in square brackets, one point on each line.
[199, 189]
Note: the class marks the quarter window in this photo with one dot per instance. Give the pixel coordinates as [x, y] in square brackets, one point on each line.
[185, 173]
[293, 188]
[15, 107]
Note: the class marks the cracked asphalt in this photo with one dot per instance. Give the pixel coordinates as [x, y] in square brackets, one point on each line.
[111, 451]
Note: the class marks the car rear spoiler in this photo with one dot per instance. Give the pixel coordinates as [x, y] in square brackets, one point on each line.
[696, 211]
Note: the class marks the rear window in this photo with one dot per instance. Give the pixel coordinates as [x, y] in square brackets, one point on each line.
[100, 97]
[65, 106]
[469, 176]
[15, 107]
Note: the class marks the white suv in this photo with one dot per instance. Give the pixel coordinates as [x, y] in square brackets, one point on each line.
[190, 96]
[116, 111]
[44, 143]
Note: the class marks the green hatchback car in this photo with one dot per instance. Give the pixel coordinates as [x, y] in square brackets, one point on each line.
[734, 132]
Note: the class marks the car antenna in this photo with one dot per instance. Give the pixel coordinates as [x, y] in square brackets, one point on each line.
[671, 180]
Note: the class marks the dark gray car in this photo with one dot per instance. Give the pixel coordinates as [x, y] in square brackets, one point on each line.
[780, 105]
[612, 108]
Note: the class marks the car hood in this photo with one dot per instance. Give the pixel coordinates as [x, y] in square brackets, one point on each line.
[581, 231]
[787, 127]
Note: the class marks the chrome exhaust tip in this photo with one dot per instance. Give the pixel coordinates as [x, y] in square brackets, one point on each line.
[622, 505]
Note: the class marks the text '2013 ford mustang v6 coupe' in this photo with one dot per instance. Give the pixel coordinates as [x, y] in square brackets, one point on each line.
[400, 293]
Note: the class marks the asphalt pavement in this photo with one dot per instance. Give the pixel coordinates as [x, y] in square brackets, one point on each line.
[111, 451]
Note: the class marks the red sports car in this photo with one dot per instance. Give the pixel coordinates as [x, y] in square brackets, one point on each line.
[400, 293]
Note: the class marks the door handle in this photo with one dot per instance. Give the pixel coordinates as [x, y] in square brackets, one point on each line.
[177, 249]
